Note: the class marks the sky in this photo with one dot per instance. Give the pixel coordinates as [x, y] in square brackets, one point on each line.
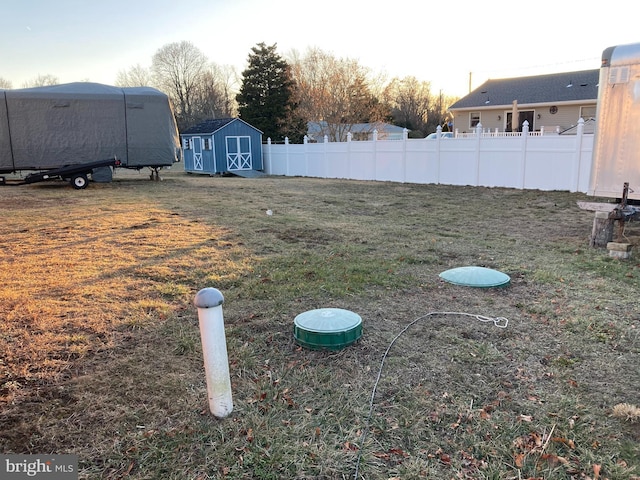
[451, 44]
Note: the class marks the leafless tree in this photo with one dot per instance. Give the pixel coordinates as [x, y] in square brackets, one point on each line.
[5, 84]
[41, 81]
[136, 76]
[179, 70]
[334, 93]
[215, 95]
[411, 103]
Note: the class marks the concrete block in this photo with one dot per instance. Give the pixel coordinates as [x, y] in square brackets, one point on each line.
[619, 250]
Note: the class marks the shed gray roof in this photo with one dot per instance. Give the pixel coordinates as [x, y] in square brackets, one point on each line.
[209, 126]
[552, 88]
[214, 124]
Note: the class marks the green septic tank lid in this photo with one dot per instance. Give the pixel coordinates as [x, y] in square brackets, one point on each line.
[327, 328]
[476, 277]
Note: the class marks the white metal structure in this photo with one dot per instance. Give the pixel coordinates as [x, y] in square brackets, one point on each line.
[616, 152]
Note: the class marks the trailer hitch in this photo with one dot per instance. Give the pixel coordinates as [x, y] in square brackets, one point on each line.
[624, 212]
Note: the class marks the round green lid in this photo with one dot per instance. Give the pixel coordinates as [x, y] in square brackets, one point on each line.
[476, 277]
[327, 328]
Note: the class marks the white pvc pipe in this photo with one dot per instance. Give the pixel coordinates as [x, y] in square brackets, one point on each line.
[214, 349]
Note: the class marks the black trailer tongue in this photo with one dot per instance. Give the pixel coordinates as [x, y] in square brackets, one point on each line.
[77, 175]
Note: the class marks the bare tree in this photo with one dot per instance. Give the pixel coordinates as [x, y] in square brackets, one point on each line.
[41, 81]
[334, 93]
[136, 76]
[230, 84]
[5, 84]
[215, 95]
[179, 70]
[411, 103]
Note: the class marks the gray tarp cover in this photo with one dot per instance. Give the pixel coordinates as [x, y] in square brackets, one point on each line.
[49, 127]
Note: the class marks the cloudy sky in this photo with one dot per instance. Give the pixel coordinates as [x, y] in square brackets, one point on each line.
[445, 43]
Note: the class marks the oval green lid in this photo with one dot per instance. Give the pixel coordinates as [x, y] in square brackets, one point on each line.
[476, 277]
[330, 328]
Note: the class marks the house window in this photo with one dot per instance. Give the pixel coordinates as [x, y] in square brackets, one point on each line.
[186, 143]
[474, 119]
[207, 143]
[587, 113]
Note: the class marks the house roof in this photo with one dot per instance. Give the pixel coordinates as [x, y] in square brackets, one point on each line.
[552, 88]
[212, 125]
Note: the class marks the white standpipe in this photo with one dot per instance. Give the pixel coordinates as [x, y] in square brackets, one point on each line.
[214, 349]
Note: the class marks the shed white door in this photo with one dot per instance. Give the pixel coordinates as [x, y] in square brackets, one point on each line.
[197, 153]
[239, 153]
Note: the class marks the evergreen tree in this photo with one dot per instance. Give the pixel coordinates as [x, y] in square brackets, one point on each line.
[266, 96]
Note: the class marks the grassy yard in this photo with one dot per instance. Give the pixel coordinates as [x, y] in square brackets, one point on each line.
[100, 351]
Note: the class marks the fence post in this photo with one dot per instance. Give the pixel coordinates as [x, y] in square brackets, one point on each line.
[477, 152]
[577, 159]
[523, 153]
[405, 137]
[437, 161]
[324, 156]
[306, 155]
[349, 169]
[375, 154]
[286, 155]
[269, 156]
[214, 350]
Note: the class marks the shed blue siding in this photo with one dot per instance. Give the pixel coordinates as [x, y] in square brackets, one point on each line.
[235, 145]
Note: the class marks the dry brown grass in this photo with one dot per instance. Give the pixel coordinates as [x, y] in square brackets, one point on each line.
[101, 356]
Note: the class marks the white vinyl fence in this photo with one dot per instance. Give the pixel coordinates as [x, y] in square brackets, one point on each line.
[540, 162]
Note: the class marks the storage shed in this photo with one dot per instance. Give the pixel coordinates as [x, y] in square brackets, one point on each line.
[222, 145]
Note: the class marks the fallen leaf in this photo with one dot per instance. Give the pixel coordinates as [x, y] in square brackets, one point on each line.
[397, 451]
[382, 455]
[519, 460]
[555, 459]
[596, 471]
[525, 418]
[568, 442]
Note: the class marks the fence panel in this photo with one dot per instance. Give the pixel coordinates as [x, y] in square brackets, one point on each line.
[549, 162]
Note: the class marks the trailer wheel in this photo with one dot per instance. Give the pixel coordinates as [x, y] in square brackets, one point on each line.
[79, 181]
